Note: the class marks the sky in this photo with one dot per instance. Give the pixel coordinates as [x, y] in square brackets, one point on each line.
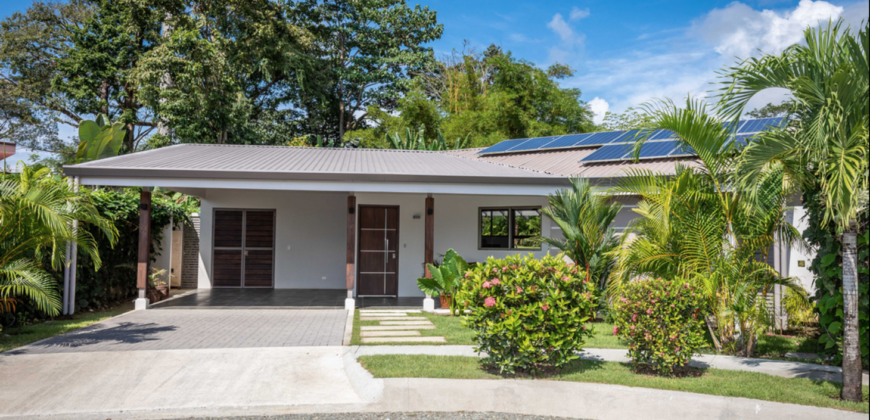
[627, 53]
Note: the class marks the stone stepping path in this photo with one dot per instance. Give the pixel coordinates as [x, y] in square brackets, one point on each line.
[396, 326]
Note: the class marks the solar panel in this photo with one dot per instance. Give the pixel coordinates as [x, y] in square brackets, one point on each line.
[533, 144]
[569, 141]
[601, 138]
[683, 150]
[609, 152]
[657, 149]
[663, 135]
[761, 124]
[741, 140]
[503, 146]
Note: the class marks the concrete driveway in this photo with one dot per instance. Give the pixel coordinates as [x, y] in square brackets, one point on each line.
[168, 329]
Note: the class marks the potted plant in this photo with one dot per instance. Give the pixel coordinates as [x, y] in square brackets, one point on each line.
[158, 289]
[446, 279]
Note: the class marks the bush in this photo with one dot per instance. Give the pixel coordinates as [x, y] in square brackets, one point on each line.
[662, 321]
[527, 314]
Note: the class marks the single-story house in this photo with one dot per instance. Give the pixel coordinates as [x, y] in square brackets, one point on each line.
[366, 220]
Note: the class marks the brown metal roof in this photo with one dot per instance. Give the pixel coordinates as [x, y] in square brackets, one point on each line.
[567, 163]
[307, 163]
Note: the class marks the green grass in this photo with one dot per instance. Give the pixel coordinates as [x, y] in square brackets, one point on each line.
[713, 382]
[11, 338]
[449, 327]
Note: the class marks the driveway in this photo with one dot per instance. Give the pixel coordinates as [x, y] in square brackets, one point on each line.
[179, 329]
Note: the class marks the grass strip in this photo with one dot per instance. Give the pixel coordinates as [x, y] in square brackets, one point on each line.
[713, 381]
[11, 338]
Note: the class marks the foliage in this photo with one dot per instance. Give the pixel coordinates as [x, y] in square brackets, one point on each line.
[663, 323]
[693, 225]
[798, 307]
[418, 141]
[824, 155]
[630, 119]
[37, 214]
[446, 278]
[584, 218]
[99, 139]
[367, 50]
[528, 314]
[771, 111]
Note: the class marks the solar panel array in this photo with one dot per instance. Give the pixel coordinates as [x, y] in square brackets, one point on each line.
[617, 145]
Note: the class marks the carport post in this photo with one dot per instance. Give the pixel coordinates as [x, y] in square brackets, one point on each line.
[349, 303]
[429, 247]
[144, 245]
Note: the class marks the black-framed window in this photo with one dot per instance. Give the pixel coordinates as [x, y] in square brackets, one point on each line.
[509, 228]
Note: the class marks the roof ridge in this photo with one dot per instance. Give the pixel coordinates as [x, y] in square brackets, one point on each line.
[275, 146]
[502, 164]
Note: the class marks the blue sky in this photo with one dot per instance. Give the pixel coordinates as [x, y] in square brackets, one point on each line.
[627, 52]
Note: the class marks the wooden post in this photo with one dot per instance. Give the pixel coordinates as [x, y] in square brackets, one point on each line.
[429, 242]
[351, 244]
[144, 240]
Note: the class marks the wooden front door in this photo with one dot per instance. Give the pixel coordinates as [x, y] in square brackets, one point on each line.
[378, 273]
[244, 248]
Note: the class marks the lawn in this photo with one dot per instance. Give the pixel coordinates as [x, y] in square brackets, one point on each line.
[11, 338]
[712, 382]
[449, 327]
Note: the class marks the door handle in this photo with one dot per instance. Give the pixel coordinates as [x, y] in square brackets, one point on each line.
[246, 253]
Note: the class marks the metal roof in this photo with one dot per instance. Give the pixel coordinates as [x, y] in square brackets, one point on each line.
[307, 163]
[567, 163]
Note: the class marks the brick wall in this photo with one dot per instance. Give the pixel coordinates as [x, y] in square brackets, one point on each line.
[190, 254]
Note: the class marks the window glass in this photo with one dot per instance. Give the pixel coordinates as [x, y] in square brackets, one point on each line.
[527, 225]
[494, 229]
[509, 228]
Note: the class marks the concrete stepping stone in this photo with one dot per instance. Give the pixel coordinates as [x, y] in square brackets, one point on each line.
[393, 318]
[396, 328]
[403, 340]
[389, 333]
[388, 311]
[406, 323]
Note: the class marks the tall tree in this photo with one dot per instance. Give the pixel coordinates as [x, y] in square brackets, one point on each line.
[825, 155]
[369, 50]
[234, 67]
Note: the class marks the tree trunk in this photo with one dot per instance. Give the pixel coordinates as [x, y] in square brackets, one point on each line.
[714, 332]
[851, 338]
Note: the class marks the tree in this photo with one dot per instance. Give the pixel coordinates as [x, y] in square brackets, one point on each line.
[826, 155]
[694, 225]
[368, 49]
[771, 111]
[226, 71]
[584, 218]
[36, 215]
[630, 119]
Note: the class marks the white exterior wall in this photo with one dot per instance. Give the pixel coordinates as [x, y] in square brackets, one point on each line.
[314, 225]
[163, 261]
[806, 277]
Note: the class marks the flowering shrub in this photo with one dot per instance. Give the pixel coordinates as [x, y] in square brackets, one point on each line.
[662, 321]
[527, 313]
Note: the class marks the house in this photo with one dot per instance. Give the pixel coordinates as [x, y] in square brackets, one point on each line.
[365, 221]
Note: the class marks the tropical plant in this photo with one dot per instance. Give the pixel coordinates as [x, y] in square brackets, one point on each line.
[418, 141]
[36, 219]
[446, 278]
[694, 225]
[662, 321]
[99, 139]
[825, 156]
[584, 217]
[528, 314]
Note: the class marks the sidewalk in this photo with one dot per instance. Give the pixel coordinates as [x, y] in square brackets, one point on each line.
[770, 367]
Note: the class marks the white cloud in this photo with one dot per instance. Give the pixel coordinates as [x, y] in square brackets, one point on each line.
[740, 31]
[599, 107]
[857, 14]
[561, 28]
[577, 14]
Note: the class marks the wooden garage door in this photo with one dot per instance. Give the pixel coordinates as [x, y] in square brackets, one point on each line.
[378, 251]
[244, 254]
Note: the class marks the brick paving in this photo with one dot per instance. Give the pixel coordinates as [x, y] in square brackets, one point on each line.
[201, 329]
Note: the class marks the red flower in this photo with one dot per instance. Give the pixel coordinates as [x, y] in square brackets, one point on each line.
[489, 302]
[545, 307]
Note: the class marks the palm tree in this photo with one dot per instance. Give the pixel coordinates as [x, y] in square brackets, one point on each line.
[826, 149]
[584, 217]
[36, 215]
[695, 225]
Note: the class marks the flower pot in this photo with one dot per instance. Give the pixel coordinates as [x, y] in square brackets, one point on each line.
[445, 301]
[157, 293]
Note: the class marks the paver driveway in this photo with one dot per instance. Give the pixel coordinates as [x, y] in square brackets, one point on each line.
[169, 329]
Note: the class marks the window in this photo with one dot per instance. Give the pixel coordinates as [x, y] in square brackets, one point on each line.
[510, 228]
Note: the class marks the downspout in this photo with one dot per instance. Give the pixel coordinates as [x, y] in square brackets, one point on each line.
[75, 256]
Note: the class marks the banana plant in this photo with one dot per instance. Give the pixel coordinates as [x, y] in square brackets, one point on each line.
[417, 141]
[446, 279]
[99, 139]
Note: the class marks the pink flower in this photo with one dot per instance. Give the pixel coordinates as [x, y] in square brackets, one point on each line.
[615, 330]
[649, 311]
[653, 301]
[468, 274]
[519, 290]
[632, 327]
[495, 270]
[487, 285]
[489, 302]
[623, 300]
[565, 278]
[545, 307]
[503, 269]
[634, 318]
[678, 349]
[495, 282]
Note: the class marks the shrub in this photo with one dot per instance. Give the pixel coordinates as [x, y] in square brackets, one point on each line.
[527, 314]
[662, 321]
